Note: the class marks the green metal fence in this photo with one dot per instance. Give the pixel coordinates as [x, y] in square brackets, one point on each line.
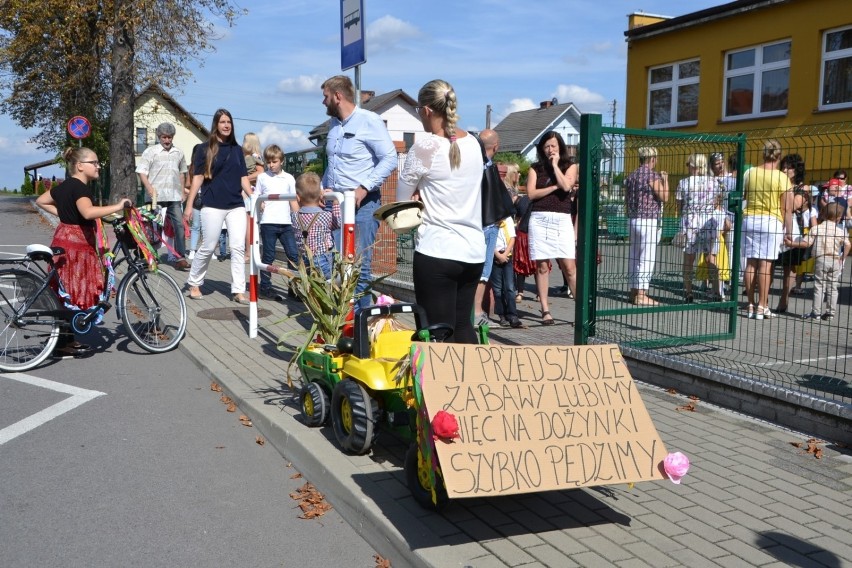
[809, 356]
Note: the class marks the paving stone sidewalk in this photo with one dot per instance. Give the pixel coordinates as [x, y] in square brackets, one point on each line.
[751, 498]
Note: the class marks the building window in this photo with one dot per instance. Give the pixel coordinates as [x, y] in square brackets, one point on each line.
[141, 140]
[757, 81]
[836, 79]
[673, 94]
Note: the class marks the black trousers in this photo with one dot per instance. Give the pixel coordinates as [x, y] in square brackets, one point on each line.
[445, 289]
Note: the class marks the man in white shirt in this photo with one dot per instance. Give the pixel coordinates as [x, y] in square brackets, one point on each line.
[162, 171]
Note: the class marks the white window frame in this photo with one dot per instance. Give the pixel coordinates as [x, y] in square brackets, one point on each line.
[673, 87]
[841, 54]
[757, 70]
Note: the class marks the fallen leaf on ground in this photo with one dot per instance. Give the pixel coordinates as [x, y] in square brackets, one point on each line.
[695, 398]
[220, 447]
[231, 407]
[225, 399]
[259, 440]
[245, 420]
[296, 475]
[671, 391]
[215, 388]
[382, 562]
[311, 502]
[689, 407]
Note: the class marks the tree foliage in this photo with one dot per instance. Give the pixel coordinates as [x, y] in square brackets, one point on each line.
[64, 58]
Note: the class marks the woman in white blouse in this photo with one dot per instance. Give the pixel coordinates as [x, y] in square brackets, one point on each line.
[444, 170]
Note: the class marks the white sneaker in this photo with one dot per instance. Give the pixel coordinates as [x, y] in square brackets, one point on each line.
[191, 255]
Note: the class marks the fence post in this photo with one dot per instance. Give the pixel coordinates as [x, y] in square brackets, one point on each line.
[587, 227]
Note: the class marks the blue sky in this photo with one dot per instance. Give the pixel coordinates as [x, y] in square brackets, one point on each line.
[510, 54]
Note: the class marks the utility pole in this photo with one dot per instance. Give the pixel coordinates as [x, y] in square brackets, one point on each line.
[487, 116]
[614, 102]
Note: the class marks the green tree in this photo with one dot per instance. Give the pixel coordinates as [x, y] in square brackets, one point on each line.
[513, 158]
[59, 59]
[27, 186]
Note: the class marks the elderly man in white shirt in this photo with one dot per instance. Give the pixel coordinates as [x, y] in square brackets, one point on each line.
[162, 171]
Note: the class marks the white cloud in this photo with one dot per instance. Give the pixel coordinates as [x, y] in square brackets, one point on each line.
[301, 84]
[601, 47]
[515, 105]
[288, 140]
[388, 33]
[584, 99]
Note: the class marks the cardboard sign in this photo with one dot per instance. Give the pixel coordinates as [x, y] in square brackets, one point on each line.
[538, 418]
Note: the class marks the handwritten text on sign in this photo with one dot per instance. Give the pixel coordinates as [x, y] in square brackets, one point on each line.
[538, 418]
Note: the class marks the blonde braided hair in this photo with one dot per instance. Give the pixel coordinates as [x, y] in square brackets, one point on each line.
[439, 96]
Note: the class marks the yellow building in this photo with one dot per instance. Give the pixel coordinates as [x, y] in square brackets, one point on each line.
[742, 66]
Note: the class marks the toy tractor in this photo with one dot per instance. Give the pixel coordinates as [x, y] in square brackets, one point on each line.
[363, 386]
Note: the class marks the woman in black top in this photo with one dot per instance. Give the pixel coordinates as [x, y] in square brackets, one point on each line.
[219, 172]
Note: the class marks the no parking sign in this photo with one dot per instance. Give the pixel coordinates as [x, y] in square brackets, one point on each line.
[79, 127]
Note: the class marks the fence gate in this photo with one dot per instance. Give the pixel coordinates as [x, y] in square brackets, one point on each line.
[604, 311]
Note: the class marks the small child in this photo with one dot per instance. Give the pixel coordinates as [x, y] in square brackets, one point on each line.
[313, 224]
[503, 275]
[711, 241]
[275, 221]
[830, 244]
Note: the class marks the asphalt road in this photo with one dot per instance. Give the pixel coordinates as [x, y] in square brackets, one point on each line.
[145, 466]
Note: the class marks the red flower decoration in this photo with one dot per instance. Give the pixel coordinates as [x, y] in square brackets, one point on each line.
[445, 426]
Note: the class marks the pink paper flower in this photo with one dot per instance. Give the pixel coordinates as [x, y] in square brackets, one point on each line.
[384, 300]
[676, 465]
[445, 426]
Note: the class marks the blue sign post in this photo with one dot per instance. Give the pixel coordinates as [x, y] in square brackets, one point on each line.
[352, 52]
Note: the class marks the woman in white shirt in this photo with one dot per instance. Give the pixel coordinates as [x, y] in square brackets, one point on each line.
[444, 170]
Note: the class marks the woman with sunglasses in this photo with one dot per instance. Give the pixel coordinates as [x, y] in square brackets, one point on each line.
[80, 267]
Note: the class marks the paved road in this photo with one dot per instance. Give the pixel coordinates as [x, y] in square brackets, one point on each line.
[147, 469]
[751, 499]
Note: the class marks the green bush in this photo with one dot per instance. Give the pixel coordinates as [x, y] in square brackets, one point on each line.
[27, 186]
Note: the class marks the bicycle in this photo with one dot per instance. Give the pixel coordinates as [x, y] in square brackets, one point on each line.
[149, 303]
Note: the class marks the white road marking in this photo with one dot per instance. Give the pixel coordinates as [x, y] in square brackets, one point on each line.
[800, 361]
[78, 396]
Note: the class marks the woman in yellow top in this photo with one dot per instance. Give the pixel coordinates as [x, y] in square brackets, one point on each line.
[767, 219]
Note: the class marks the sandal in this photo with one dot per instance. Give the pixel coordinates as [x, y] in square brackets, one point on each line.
[547, 319]
[195, 293]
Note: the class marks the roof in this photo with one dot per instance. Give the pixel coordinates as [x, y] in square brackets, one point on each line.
[700, 17]
[158, 90]
[520, 129]
[372, 104]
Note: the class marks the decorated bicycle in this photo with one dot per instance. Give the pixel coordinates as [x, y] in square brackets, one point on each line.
[149, 301]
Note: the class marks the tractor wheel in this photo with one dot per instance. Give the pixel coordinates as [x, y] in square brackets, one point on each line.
[353, 416]
[313, 401]
[417, 478]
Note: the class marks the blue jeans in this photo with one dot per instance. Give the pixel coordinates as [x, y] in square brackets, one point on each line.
[270, 235]
[503, 285]
[195, 230]
[490, 233]
[366, 228]
[322, 262]
[223, 242]
[174, 213]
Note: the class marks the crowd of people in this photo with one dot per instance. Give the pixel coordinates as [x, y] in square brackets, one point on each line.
[457, 257]
[786, 223]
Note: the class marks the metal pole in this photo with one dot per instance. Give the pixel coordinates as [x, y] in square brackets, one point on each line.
[358, 86]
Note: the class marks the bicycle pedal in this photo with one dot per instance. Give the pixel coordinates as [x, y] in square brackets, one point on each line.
[105, 306]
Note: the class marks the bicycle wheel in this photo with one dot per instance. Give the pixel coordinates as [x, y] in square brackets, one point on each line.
[152, 310]
[26, 339]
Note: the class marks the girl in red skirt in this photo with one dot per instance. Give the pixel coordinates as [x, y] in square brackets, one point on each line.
[80, 267]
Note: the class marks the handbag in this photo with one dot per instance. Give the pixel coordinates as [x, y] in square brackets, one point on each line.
[496, 201]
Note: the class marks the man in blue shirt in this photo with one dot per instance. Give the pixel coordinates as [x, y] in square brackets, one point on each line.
[361, 155]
